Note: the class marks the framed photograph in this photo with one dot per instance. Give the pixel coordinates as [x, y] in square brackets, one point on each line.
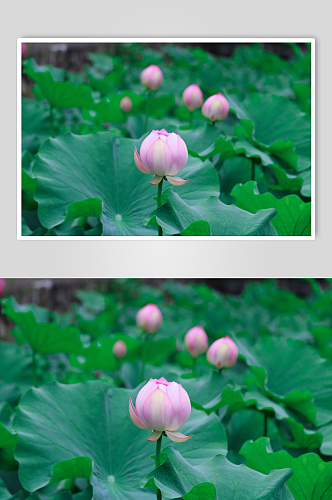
[150, 138]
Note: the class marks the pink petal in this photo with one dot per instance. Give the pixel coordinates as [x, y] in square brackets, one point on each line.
[177, 437]
[156, 180]
[148, 141]
[159, 158]
[158, 411]
[139, 164]
[176, 181]
[180, 153]
[154, 436]
[146, 390]
[135, 418]
[181, 404]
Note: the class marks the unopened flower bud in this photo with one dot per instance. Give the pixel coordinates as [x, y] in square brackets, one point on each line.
[222, 353]
[126, 104]
[192, 97]
[119, 349]
[216, 107]
[152, 77]
[162, 407]
[149, 318]
[196, 341]
[162, 154]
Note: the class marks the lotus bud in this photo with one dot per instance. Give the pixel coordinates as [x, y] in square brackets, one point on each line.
[216, 107]
[222, 353]
[196, 341]
[162, 407]
[149, 318]
[192, 97]
[24, 49]
[126, 104]
[3, 286]
[119, 349]
[162, 154]
[152, 77]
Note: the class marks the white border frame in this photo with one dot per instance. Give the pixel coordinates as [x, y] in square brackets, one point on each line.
[163, 40]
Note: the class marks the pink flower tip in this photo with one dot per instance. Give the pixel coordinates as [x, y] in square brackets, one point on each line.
[196, 341]
[152, 77]
[192, 97]
[126, 104]
[149, 318]
[223, 353]
[119, 349]
[216, 107]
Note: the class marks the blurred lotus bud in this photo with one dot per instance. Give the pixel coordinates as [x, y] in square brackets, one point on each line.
[196, 341]
[3, 286]
[222, 353]
[216, 107]
[126, 104]
[149, 318]
[119, 349]
[162, 154]
[192, 97]
[24, 49]
[152, 77]
[162, 407]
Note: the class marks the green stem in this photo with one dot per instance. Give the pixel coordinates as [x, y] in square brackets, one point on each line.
[194, 365]
[265, 423]
[34, 369]
[252, 169]
[51, 121]
[160, 190]
[191, 119]
[141, 378]
[147, 111]
[158, 450]
[213, 124]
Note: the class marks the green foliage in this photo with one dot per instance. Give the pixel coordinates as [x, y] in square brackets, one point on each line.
[85, 183]
[261, 429]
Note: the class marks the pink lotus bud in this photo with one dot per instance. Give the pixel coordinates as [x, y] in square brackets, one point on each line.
[149, 318]
[162, 154]
[161, 406]
[222, 353]
[3, 286]
[192, 97]
[152, 77]
[215, 107]
[24, 49]
[126, 104]
[119, 349]
[196, 341]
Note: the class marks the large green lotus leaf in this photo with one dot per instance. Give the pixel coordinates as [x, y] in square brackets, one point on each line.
[59, 94]
[294, 215]
[176, 478]
[311, 478]
[35, 124]
[272, 121]
[326, 447]
[4, 493]
[285, 181]
[16, 372]
[97, 172]
[7, 436]
[42, 336]
[302, 437]
[175, 216]
[323, 336]
[294, 373]
[84, 430]
[212, 391]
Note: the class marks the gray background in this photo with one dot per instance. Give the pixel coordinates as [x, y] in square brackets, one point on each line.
[179, 18]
